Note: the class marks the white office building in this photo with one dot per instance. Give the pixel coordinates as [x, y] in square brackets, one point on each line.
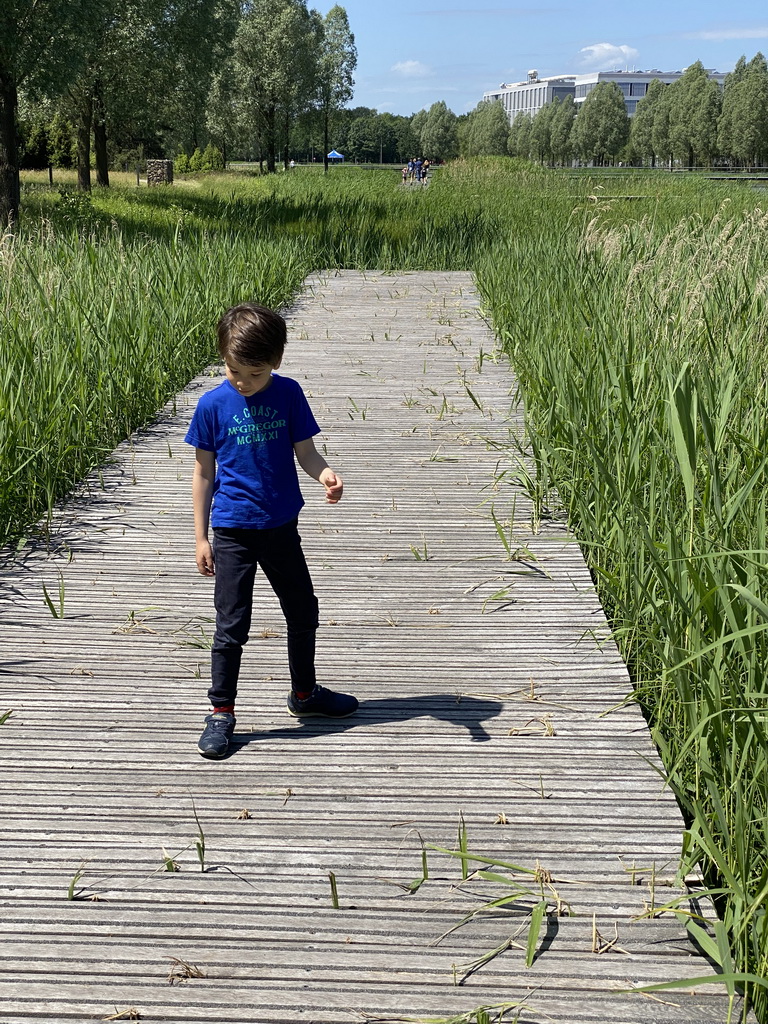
[531, 95]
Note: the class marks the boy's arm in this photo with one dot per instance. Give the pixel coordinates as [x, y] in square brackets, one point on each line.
[202, 495]
[314, 465]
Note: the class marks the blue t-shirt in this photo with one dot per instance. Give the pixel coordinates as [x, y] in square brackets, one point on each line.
[252, 438]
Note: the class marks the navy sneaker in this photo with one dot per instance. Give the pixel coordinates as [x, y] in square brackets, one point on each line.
[217, 733]
[323, 702]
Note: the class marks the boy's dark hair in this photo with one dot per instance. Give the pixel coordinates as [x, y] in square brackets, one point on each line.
[251, 334]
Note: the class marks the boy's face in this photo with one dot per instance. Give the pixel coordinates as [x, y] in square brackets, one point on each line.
[249, 378]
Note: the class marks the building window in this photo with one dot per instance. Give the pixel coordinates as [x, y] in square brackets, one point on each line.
[624, 86]
[638, 88]
[631, 106]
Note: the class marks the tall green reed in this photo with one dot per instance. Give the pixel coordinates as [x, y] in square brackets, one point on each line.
[96, 333]
[641, 355]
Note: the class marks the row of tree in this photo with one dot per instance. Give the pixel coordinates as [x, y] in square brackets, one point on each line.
[364, 134]
[360, 133]
[688, 122]
[163, 76]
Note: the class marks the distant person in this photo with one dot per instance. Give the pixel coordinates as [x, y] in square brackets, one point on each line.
[292, 164]
[425, 171]
[411, 171]
[418, 163]
[246, 433]
[405, 174]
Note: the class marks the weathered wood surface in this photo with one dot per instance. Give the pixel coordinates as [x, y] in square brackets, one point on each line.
[489, 685]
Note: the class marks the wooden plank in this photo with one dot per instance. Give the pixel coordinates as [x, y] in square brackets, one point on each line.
[465, 653]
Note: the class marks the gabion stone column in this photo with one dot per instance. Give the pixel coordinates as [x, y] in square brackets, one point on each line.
[159, 172]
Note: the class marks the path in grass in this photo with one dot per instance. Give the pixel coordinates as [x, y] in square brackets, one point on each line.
[489, 690]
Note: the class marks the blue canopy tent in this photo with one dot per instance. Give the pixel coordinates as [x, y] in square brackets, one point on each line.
[333, 155]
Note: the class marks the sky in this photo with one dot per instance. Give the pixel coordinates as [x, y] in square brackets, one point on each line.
[411, 53]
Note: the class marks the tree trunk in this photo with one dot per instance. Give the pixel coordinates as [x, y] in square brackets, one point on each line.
[100, 137]
[84, 121]
[270, 140]
[9, 153]
[326, 120]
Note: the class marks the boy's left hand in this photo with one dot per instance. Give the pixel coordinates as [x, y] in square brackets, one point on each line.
[333, 484]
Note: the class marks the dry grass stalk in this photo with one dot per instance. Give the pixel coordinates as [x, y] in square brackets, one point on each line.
[542, 875]
[130, 1014]
[545, 728]
[181, 970]
[601, 945]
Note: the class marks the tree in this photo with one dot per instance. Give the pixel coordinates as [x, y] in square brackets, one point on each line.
[61, 141]
[418, 120]
[743, 126]
[660, 134]
[132, 83]
[362, 139]
[602, 124]
[694, 108]
[336, 63]
[641, 128]
[439, 137]
[520, 136]
[194, 39]
[342, 124]
[33, 136]
[386, 131]
[485, 131]
[42, 46]
[726, 134]
[541, 133]
[561, 129]
[223, 117]
[84, 101]
[274, 64]
[405, 141]
[751, 127]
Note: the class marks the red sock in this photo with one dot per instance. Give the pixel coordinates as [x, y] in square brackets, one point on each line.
[302, 694]
[230, 710]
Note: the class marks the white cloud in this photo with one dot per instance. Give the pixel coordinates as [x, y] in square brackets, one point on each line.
[606, 56]
[411, 69]
[720, 35]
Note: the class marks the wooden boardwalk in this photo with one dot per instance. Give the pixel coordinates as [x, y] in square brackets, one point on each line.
[489, 688]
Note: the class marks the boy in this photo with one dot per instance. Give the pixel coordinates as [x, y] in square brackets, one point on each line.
[246, 432]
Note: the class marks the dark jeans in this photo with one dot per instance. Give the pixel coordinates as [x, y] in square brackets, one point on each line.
[237, 553]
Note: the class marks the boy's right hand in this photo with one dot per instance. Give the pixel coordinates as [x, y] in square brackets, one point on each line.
[204, 558]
